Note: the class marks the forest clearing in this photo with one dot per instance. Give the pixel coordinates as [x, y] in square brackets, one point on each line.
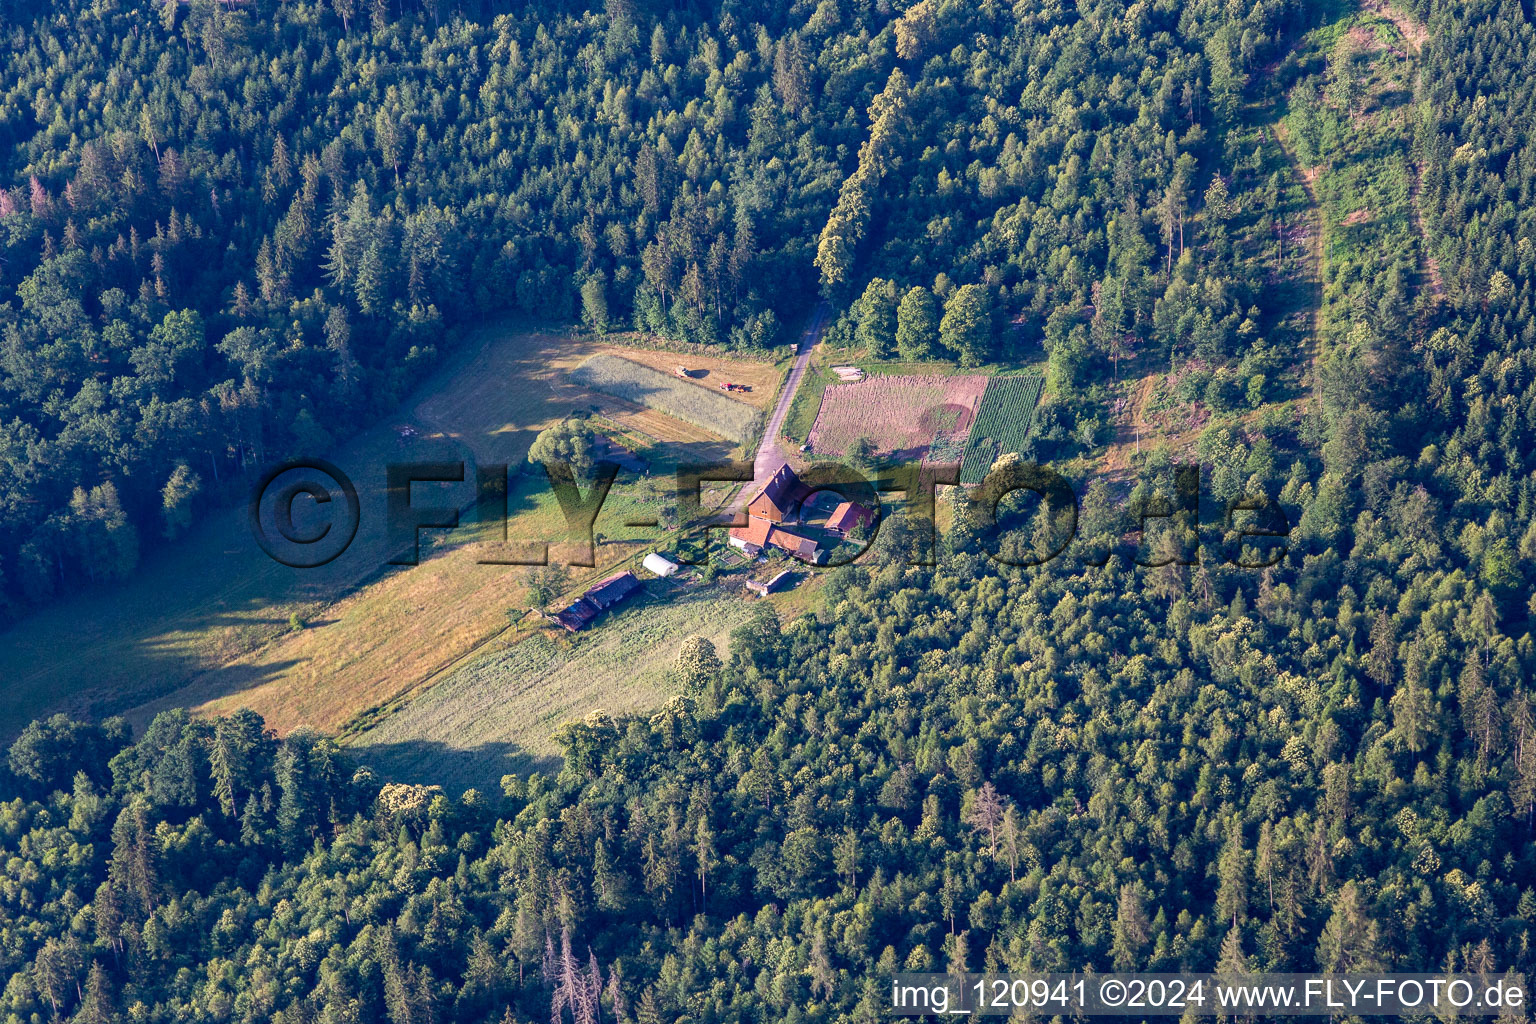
[314, 646]
[1287, 245]
[964, 418]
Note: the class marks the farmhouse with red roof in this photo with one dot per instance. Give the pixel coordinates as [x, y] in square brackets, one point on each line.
[778, 501]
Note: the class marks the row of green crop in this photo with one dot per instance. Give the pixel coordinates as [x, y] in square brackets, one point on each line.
[1002, 424]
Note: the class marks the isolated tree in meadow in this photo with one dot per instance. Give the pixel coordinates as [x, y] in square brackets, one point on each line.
[547, 583]
[569, 442]
[917, 325]
[862, 451]
[697, 662]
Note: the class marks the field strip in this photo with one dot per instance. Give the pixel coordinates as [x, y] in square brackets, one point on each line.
[647, 386]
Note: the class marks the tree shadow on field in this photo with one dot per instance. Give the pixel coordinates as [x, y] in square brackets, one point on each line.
[227, 679]
[431, 763]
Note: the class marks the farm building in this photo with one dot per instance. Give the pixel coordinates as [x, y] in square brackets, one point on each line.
[802, 548]
[775, 505]
[753, 537]
[578, 616]
[849, 516]
[614, 590]
[762, 588]
[659, 564]
[779, 499]
[759, 534]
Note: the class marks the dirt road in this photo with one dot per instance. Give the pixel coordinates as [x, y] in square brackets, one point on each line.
[770, 453]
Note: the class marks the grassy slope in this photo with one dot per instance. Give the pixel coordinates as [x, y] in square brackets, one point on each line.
[496, 712]
[206, 621]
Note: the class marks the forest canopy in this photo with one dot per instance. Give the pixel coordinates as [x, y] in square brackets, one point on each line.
[232, 229]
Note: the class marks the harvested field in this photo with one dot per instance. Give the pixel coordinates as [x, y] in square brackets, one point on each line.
[903, 416]
[665, 393]
[711, 371]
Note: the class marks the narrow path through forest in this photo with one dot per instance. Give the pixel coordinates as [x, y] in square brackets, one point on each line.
[1315, 251]
[1415, 35]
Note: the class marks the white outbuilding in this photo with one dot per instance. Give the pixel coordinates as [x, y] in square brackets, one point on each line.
[659, 564]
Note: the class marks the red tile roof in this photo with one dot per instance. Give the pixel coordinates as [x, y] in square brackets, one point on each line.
[755, 533]
[802, 547]
[848, 515]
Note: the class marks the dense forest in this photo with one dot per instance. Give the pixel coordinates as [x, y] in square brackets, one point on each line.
[232, 230]
[234, 225]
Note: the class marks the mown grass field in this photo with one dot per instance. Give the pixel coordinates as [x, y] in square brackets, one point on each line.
[207, 601]
[708, 371]
[664, 392]
[498, 711]
[205, 623]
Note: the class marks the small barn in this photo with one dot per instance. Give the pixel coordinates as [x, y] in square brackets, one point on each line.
[578, 616]
[618, 587]
[615, 589]
[659, 564]
[753, 537]
[803, 548]
[848, 517]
